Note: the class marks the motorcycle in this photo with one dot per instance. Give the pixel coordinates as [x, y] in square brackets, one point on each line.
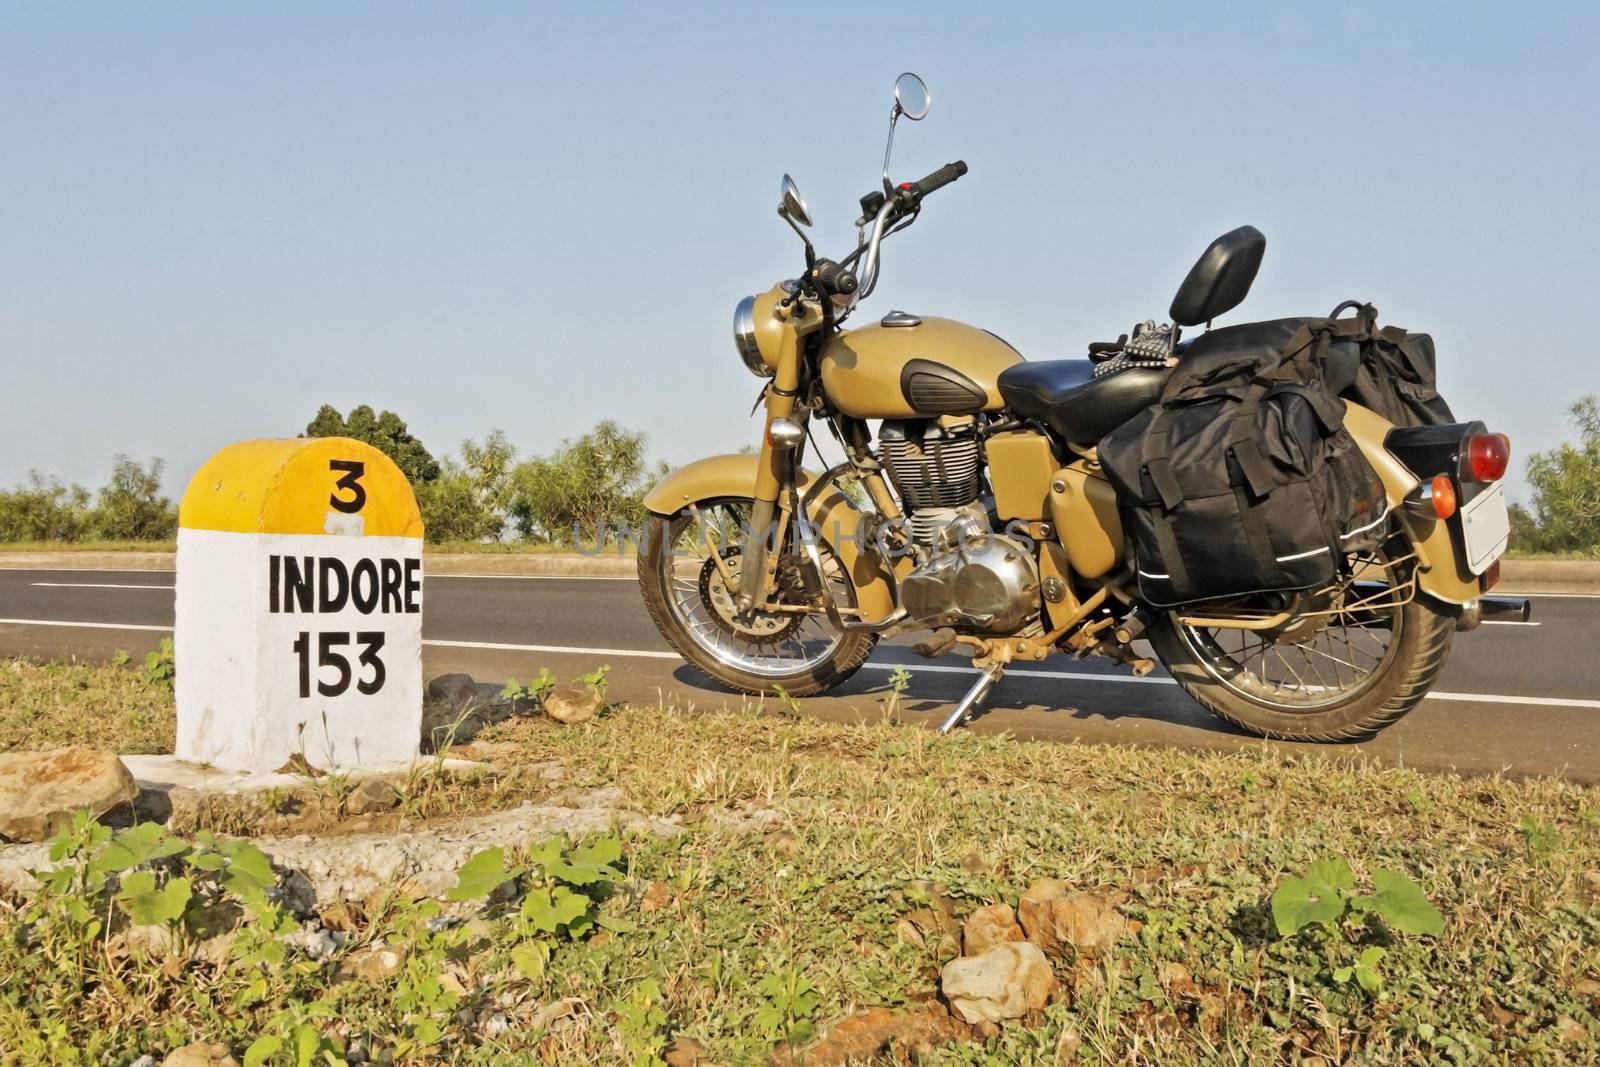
[979, 514]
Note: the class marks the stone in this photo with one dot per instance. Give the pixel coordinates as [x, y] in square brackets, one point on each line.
[685, 1052]
[1063, 921]
[554, 1012]
[200, 1054]
[574, 705]
[1006, 982]
[864, 1036]
[371, 796]
[988, 926]
[456, 688]
[39, 791]
[656, 897]
[373, 964]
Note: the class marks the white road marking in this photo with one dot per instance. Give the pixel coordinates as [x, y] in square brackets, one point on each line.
[95, 585]
[537, 577]
[634, 653]
[1507, 622]
[933, 668]
[86, 625]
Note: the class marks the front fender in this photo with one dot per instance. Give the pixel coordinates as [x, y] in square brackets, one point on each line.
[836, 518]
[1440, 572]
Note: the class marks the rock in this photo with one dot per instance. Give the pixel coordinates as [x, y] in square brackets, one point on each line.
[496, 1024]
[554, 1012]
[1570, 1031]
[578, 704]
[370, 796]
[315, 942]
[456, 688]
[685, 1052]
[988, 926]
[1061, 920]
[1006, 982]
[154, 940]
[864, 1036]
[200, 1054]
[658, 896]
[1175, 980]
[373, 964]
[1067, 1047]
[146, 1060]
[39, 791]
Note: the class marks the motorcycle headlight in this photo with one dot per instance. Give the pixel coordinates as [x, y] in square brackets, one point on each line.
[744, 338]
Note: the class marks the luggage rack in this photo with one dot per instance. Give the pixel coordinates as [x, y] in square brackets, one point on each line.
[1404, 592]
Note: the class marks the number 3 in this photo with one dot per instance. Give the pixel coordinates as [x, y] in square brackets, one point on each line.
[351, 480]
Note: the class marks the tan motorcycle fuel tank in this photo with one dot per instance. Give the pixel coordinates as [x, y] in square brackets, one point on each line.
[905, 366]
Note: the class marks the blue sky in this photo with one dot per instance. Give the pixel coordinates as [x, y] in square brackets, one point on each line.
[215, 217]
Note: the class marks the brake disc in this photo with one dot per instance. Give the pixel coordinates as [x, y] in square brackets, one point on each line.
[763, 626]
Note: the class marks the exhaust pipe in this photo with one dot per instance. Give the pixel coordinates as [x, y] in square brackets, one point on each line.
[1506, 608]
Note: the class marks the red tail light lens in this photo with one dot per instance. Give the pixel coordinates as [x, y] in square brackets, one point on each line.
[1485, 456]
[1444, 496]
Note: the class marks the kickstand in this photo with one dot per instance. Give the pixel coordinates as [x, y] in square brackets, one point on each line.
[991, 674]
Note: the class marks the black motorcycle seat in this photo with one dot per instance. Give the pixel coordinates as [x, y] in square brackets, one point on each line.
[1065, 395]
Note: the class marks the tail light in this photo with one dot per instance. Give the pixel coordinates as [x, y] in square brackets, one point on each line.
[1443, 496]
[1484, 457]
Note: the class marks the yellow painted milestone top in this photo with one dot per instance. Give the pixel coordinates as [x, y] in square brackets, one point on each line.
[315, 485]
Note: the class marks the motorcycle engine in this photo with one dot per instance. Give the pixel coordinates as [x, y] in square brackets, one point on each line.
[970, 578]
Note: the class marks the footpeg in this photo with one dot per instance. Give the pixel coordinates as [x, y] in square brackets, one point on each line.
[936, 644]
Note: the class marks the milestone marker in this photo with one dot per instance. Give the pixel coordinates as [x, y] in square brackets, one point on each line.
[299, 608]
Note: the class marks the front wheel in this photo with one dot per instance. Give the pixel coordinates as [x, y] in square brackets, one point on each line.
[681, 566]
[1356, 662]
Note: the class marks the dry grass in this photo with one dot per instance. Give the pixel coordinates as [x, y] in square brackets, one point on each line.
[857, 826]
[51, 705]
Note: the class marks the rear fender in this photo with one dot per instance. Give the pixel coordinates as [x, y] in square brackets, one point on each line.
[1440, 572]
[836, 518]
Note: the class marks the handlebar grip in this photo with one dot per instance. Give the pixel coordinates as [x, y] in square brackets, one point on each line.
[940, 178]
[835, 278]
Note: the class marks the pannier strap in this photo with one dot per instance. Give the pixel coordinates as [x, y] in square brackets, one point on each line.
[1166, 483]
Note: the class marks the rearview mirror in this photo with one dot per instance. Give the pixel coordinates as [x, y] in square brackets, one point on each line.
[793, 205]
[911, 97]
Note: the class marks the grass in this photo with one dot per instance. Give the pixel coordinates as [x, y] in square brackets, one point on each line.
[87, 546]
[53, 705]
[849, 831]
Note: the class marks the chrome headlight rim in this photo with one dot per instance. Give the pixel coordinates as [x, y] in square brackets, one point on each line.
[744, 338]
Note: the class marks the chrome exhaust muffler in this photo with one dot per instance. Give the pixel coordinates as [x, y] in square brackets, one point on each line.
[1506, 608]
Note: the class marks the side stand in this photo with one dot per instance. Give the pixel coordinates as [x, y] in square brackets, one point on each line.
[991, 674]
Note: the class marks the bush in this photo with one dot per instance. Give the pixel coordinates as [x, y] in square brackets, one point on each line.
[384, 431]
[44, 510]
[131, 507]
[584, 487]
[1565, 516]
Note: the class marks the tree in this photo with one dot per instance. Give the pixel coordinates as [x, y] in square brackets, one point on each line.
[385, 431]
[131, 507]
[468, 501]
[597, 481]
[1566, 487]
[44, 510]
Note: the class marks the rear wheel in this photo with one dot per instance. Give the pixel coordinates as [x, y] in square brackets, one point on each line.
[681, 567]
[1355, 660]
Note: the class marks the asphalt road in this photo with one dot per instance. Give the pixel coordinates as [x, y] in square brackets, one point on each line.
[1515, 698]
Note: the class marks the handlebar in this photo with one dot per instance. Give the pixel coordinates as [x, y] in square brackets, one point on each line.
[938, 179]
[889, 211]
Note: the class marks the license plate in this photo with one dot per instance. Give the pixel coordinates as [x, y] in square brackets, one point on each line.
[1487, 526]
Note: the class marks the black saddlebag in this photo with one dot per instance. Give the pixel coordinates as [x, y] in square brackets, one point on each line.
[1242, 478]
[1399, 371]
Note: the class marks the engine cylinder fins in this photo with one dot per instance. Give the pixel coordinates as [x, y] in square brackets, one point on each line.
[933, 388]
[931, 466]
